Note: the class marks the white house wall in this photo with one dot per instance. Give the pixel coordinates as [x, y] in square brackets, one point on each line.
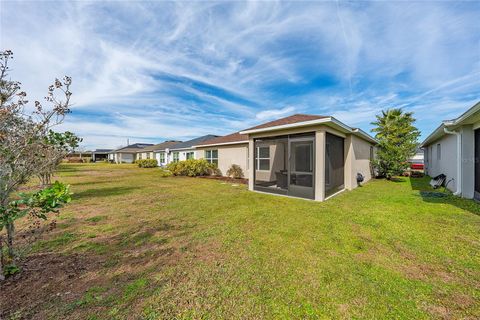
[448, 162]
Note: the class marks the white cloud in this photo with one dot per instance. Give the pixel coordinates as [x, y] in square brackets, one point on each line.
[188, 68]
[274, 113]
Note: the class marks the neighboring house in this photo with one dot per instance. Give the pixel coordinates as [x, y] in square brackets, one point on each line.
[150, 151]
[453, 149]
[100, 154]
[127, 154]
[307, 156]
[416, 162]
[185, 150]
[225, 151]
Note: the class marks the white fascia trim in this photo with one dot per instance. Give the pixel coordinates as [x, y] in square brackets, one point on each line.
[289, 126]
[435, 135]
[464, 116]
[440, 131]
[365, 135]
[183, 149]
[221, 144]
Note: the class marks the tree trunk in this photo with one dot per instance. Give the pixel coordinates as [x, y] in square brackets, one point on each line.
[2, 277]
[10, 234]
[45, 179]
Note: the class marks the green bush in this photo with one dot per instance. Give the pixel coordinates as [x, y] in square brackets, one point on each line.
[235, 171]
[192, 168]
[147, 163]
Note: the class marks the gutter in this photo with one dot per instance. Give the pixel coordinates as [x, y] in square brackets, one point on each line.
[459, 159]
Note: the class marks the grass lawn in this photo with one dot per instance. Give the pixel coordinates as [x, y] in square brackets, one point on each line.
[136, 245]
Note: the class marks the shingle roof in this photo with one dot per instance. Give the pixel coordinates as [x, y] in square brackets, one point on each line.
[102, 150]
[160, 146]
[287, 120]
[234, 137]
[134, 147]
[193, 142]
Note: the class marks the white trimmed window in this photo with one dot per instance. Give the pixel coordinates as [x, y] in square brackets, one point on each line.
[263, 158]
[211, 156]
[162, 157]
[189, 155]
[176, 156]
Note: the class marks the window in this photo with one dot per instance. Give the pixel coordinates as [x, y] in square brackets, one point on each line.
[176, 156]
[212, 156]
[263, 158]
[439, 152]
[148, 155]
[189, 155]
[162, 157]
[139, 156]
[371, 153]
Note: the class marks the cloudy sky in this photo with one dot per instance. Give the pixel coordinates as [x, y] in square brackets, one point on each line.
[162, 70]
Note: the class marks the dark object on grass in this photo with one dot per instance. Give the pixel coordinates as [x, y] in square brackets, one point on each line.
[360, 178]
[438, 181]
[429, 194]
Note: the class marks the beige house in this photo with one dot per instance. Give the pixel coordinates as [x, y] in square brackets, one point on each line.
[453, 149]
[226, 151]
[307, 156]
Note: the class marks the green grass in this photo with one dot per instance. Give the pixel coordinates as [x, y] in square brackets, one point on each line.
[190, 248]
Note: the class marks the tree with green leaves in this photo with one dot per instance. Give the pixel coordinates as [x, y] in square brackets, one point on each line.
[398, 139]
[27, 143]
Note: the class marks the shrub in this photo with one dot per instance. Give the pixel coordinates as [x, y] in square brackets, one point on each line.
[191, 168]
[235, 171]
[147, 163]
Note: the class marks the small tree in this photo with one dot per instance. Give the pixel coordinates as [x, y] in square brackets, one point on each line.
[397, 137]
[55, 147]
[24, 139]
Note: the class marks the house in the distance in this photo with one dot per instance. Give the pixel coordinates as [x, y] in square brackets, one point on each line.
[308, 156]
[185, 150]
[453, 149]
[127, 154]
[100, 154]
[150, 151]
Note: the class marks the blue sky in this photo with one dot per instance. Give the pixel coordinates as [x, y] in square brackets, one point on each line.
[163, 70]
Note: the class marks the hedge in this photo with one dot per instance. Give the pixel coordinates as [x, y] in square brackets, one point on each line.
[147, 163]
[192, 168]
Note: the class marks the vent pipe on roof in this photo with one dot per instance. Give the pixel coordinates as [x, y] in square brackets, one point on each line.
[458, 192]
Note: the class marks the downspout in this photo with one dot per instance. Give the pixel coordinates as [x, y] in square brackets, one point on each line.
[459, 160]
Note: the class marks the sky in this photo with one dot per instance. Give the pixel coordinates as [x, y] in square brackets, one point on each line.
[151, 71]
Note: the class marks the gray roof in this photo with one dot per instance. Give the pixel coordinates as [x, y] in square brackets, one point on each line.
[133, 147]
[190, 143]
[160, 146]
[102, 150]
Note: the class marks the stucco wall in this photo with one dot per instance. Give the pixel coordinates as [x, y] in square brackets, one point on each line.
[361, 158]
[228, 155]
[448, 162]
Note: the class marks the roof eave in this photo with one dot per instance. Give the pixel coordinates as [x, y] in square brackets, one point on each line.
[435, 135]
[221, 144]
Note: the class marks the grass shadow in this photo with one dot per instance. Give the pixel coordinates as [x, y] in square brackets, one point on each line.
[90, 183]
[100, 193]
[442, 195]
